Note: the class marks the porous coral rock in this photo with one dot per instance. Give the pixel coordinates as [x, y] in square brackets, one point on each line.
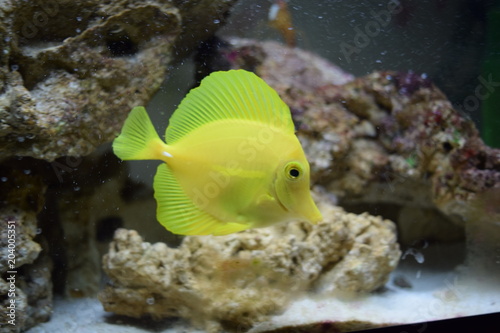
[20, 314]
[85, 204]
[237, 280]
[423, 154]
[71, 71]
[25, 225]
[279, 65]
[24, 266]
[387, 139]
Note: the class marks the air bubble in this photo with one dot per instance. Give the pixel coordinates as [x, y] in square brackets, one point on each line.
[79, 18]
[14, 67]
[150, 300]
[216, 21]
[4, 179]
[27, 171]
[38, 231]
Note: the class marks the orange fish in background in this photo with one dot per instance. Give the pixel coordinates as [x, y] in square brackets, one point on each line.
[281, 20]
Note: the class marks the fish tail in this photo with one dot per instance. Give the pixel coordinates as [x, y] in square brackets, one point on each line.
[138, 139]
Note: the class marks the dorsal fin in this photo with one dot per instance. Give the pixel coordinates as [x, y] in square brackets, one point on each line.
[230, 95]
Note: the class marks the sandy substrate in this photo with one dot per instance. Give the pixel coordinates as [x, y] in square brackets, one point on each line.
[429, 284]
[86, 315]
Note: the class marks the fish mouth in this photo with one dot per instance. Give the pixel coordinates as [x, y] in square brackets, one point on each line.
[309, 211]
[315, 217]
[312, 216]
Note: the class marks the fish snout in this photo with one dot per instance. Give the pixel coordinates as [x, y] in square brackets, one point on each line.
[315, 217]
[310, 212]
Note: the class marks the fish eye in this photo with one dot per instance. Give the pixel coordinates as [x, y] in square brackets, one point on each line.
[293, 170]
[294, 173]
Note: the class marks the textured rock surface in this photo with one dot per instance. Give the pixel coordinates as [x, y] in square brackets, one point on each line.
[402, 129]
[84, 205]
[238, 280]
[282, 67]
[387, 139]
[71, 71]
[26, 273]
[69, 74]
[65, 214]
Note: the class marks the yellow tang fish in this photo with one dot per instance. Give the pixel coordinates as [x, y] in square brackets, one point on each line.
[232, 160]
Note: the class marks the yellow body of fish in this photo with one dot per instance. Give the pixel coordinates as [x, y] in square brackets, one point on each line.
[232, 160]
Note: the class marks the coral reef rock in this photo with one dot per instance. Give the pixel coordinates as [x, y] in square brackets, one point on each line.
[62, 216]
[238, 280]
[387, 139]
[71, 71]
[84, 206]
[282, 67]
[24, 264]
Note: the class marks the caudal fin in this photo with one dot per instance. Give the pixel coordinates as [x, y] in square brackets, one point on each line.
[138, 139]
